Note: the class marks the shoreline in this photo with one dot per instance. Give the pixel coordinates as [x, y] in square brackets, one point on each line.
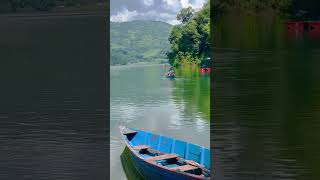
[52, 14]
[133, 65]
[60, 11]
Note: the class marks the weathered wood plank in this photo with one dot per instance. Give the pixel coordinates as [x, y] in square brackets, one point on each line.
[162, 157]
[140, 147]
[185, 168]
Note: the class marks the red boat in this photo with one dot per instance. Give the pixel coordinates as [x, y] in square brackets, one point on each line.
[298, 28]
[205, 70]
[303, 26]
[295, 25]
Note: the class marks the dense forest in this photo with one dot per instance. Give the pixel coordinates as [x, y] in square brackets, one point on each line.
[139, 41]
[290, 9]
[190, 41]
[16, 6]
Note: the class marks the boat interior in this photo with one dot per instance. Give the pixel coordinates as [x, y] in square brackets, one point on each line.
[170, 153]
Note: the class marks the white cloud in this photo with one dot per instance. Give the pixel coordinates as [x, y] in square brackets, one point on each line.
[173, 5]
[185, 3]
[176, 5]
[169, 16]
[124, 15]
[148, 2]
[173, 21]
[198, 4]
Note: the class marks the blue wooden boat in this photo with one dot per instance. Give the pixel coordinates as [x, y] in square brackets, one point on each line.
[160, 157]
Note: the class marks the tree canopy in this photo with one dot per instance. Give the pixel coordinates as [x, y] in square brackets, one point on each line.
[185, 14]
[293, 9]
[190, 41]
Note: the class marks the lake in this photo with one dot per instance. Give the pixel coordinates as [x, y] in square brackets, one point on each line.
[141, 97]
[53, 106]
[266, 100]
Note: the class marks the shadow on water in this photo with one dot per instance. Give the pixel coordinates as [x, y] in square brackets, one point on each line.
[266, 102]
[128, 167]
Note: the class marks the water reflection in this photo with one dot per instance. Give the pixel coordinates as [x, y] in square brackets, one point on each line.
[141, 97]
[266, 95]
[52, 100]
[128, 167]
[194, 92]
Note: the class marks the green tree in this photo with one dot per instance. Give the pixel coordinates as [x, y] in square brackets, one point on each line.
[190, 42]
[43, 5]
[185, 14]
[14, 5]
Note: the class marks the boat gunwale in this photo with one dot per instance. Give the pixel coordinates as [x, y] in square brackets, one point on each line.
[185, 174]
[167, 137]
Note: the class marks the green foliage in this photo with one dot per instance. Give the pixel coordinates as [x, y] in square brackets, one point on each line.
[35, 4]
[14, 5]
[185, 14]
[41, 5]
[139, 41]
[69, 3]
[294, 9]
[190, 42]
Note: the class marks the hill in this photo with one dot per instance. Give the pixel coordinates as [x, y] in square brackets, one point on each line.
[139, 41]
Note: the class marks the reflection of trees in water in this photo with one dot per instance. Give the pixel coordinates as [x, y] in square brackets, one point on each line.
[7, 6]
[193, 90]
[128, 167]
[266, 120]
[245, 32]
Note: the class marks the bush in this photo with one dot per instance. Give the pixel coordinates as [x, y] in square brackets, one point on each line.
[42, 5]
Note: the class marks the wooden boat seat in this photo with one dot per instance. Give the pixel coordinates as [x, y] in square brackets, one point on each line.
[140, 147]
[193, 163]
[162, 157]
[185, 168]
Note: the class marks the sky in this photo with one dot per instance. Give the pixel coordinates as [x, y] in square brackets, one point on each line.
[159, 10]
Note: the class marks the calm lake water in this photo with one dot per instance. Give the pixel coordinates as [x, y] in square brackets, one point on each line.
[266, 101]
[53, 93]
[141, 97]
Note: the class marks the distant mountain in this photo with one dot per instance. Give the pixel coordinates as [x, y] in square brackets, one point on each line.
[139, 41]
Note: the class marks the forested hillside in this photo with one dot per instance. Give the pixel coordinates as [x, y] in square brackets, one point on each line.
[139, 41]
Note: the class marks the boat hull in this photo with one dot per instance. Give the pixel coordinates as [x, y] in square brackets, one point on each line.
[146, 149]
[148, 171]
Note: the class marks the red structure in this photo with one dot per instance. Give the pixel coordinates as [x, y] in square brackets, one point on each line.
[298, 28]
[314, 25]
[314, 31]
[295, 26]
[205, 70]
